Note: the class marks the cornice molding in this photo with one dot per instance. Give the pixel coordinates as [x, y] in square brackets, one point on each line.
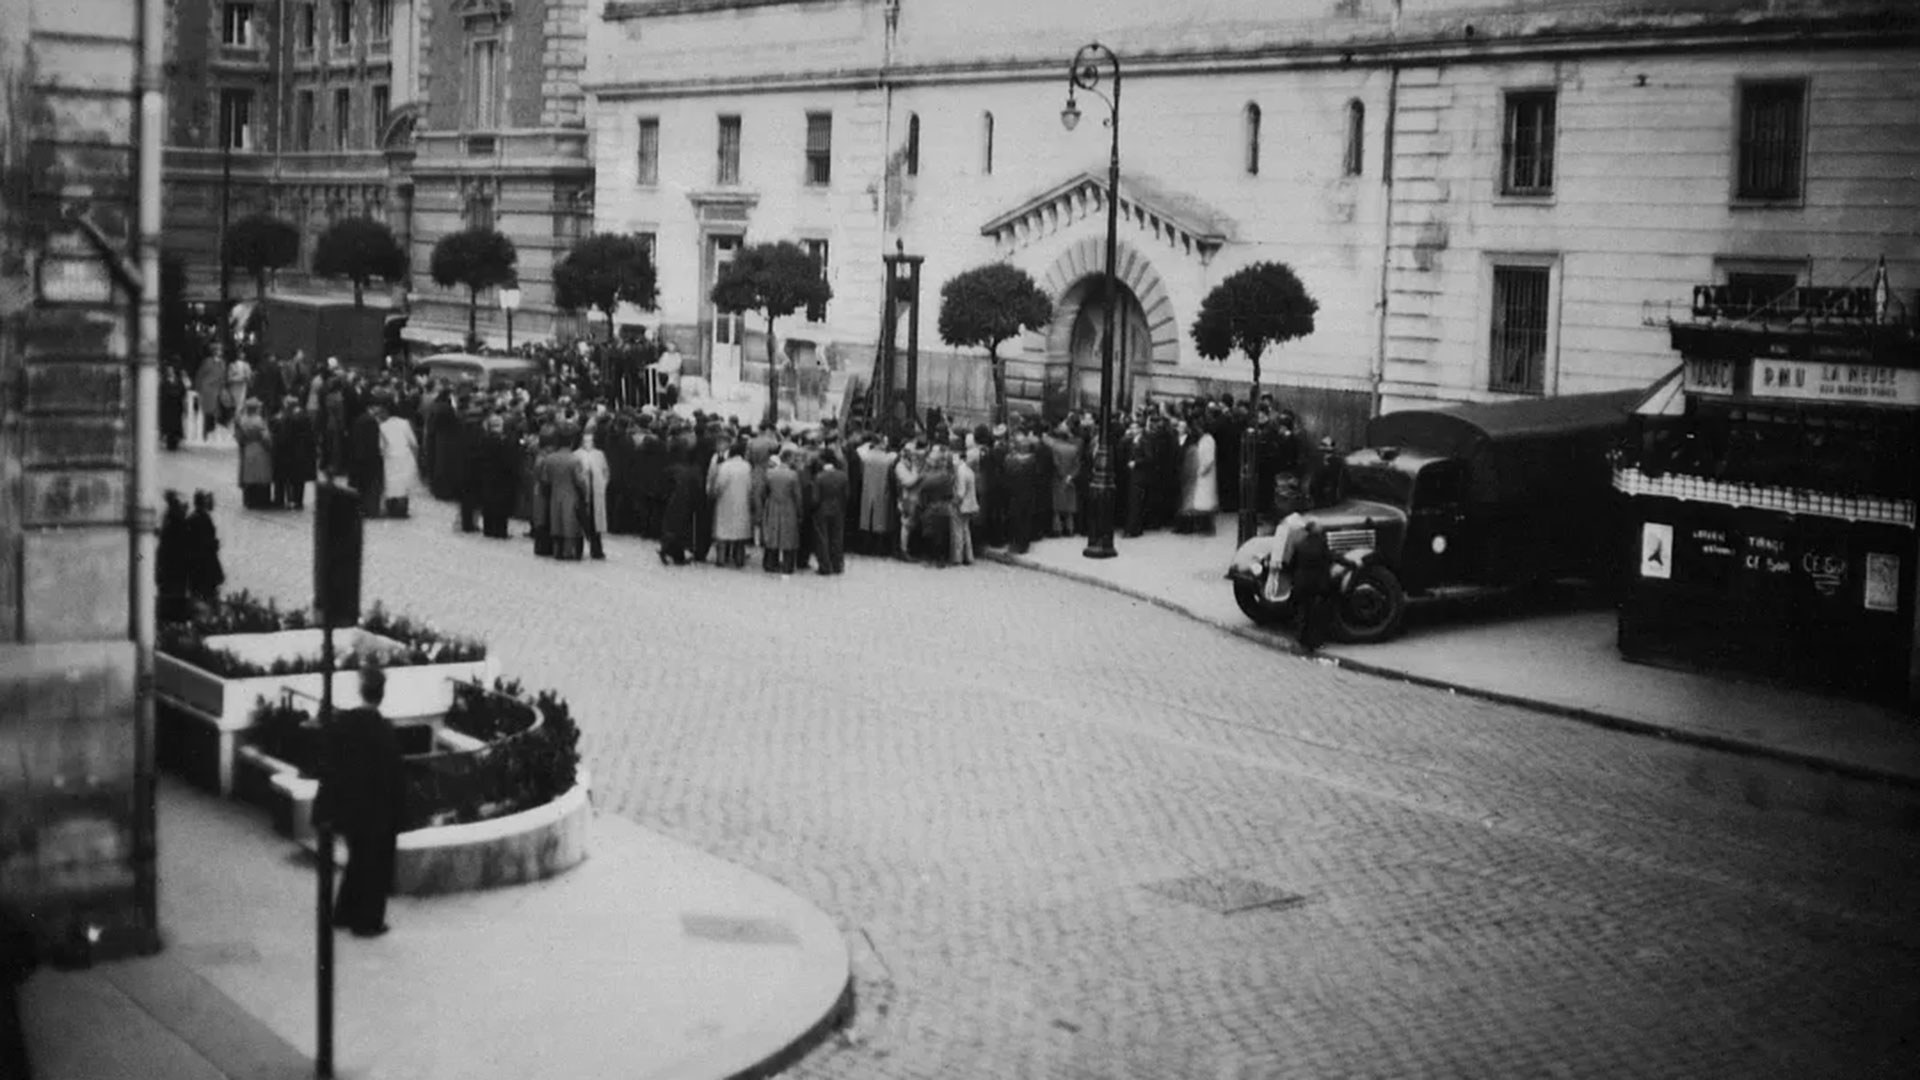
[1412, 52]
[1177, 221]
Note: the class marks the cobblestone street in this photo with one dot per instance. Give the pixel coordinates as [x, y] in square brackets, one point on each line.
[1073, 835]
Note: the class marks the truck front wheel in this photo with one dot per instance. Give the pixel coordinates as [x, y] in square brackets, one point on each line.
[1372, 607]
[1262, 611]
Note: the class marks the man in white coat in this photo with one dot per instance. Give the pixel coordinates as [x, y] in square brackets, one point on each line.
[400, 461]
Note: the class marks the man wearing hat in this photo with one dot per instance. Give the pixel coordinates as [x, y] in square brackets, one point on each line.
[1324, 488]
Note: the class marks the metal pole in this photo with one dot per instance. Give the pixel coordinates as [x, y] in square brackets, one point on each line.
[145, 486]
[323, 837]
[509, 329]
[226, 200]
[913, 339]
[1100, 488]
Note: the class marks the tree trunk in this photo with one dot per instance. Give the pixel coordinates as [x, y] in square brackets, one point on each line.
[473, 313]
[357, 286]
[999, 383]
[773, 378]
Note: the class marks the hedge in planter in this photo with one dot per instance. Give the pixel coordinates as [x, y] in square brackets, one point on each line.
[241, 613]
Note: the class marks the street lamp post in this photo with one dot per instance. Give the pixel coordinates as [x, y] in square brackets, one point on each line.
[227, 119]
[509, 303]
[1085, 75]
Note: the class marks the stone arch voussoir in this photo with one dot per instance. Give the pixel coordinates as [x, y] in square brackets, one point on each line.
[1087, 257]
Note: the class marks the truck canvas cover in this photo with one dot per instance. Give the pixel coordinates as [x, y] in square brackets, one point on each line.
[1536, 448]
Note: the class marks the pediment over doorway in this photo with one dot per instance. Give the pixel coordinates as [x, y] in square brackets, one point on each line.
[1168, 219]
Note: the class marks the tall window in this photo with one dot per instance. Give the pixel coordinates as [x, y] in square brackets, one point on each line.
[1772, 119]
[1521, 316]
[342, 117]
[1526, 147]
[728, 168]
[819, 148]
[343, 22]
[304, 28]
[913, 143]
[382, 102]
[303, 120]
[483, 84]
[1253, 139]
[236, 119]
[648, 158]
[986, 144]
[380, 22]
[817, 251]
[1356, 160]
[236, 25]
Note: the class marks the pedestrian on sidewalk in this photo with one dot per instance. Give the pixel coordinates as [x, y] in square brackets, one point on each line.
[966, 507]
[362, 795]
[590, 473]
[831, 493]
[205, 574]
[1199, 495]
[780, 513]
[1313, 586]
[730, 486]
[399, 461]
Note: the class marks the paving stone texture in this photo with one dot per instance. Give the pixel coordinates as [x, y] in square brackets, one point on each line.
[997, 780]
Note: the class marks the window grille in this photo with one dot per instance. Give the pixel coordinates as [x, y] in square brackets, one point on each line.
[1772, 116]
[1527, 149]
[913, 143]
[819, 148]
[649, 151]
[729, 167]
[1520, 324]
[1253, 139]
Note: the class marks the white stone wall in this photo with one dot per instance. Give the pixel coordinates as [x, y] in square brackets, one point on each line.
[1641, 208]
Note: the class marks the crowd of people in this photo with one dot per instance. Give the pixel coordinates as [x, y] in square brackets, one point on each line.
[566, 457]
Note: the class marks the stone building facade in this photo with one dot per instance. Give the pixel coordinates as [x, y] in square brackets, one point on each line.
[500, 140]
[287, 108]
[1487, 201]
[79, 220]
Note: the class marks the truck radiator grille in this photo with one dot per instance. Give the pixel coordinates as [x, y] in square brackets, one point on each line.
[1341, 541]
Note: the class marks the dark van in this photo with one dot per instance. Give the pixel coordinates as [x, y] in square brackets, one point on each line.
[1456, 499]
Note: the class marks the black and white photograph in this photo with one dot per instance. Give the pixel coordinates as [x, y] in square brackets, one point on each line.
[915, 540]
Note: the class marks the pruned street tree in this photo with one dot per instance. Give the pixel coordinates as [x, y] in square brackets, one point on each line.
[983, 307]
[1256, 307]
[604, 271]
[775, 280]
[359, 249]
[477, 258]
[260, 244]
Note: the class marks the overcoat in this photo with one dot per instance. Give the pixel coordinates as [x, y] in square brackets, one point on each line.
[256, 449]
[591, 472]
[1066, 468]
[1199, 491]
[730, 485]
[780, 508]
[557, 494]
[400, 464]
[876, 474]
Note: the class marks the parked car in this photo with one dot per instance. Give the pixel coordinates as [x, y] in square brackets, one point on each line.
[487, 371]
[1456, 499]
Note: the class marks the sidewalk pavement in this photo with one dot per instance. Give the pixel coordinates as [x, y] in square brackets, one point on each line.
[1554, 652]
[650, 960]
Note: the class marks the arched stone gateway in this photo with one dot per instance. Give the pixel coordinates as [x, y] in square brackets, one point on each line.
[1145, 330]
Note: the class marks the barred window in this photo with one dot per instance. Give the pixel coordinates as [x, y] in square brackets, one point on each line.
[237, 26]
[819, 147]
[1356, 159]
[1526, 148]
[728, 171]
[1772, 116]
[1520, 323]
[648, 157]
[817, 251]
[1253, 139]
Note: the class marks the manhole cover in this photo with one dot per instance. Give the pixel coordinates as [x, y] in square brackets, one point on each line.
[1225, 894]
[735, 930]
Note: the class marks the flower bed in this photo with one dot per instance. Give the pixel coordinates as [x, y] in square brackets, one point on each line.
[212, 673]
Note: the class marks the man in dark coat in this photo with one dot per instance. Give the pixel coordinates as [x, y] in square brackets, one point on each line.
[205, 575]
[296, 439]
[832, 491]
[270, 386]
[497, 477]
[172, 563]
[705, 446]
[685, 482]
[366, 469]
[1024, 487]
[19, 956]
[362, 796]
[650, 476]
[1313, 588]
[173, 408]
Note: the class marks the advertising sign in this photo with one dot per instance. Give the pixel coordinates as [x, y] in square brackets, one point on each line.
[1859, 384]
[1707, 376]
[1883, 582]
[1656, 550]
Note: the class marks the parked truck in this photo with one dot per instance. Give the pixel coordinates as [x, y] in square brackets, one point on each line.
[359, 336]
[1456, 499]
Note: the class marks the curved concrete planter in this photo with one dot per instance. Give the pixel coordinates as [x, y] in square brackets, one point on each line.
[536, 843]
